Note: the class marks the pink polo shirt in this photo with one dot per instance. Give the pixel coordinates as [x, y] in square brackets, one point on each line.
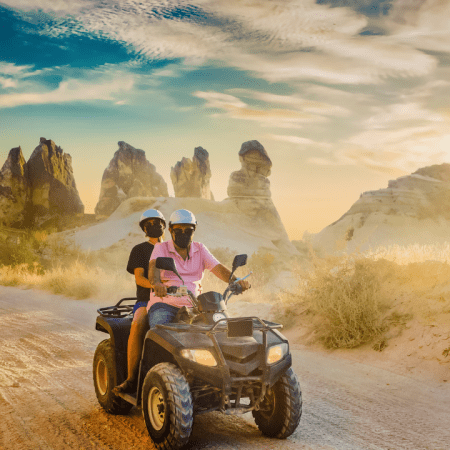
[190, 270]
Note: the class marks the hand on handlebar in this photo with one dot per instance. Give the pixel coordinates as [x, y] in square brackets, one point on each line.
[244, 284]
[160, 290]
[238, 287]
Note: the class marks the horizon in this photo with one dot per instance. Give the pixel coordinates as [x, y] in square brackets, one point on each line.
[344, 95]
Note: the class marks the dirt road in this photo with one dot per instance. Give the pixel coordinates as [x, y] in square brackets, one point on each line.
[47, 400]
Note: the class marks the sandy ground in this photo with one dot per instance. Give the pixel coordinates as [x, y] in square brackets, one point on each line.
[47, 399]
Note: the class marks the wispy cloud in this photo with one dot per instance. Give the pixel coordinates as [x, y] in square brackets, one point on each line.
[12, 75]
[56, 6]
[300, 142]
[418, 148]
[294, 101]
[8, 83]
[17, 72]
[269, 116]
[421, 24]
[69, 91]
[397, 115]
[396, 139]
[266, 38]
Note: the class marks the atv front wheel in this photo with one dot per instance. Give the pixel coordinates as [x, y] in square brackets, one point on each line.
[167, 407]
[281, 409]
[105, 380]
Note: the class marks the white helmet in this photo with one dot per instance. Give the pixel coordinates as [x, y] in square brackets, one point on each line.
[151, 214]
[181, 216]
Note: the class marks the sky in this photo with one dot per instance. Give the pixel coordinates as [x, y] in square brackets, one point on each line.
[343, 94]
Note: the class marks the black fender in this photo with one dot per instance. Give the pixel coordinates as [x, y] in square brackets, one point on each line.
[162, 345]
[118, 329]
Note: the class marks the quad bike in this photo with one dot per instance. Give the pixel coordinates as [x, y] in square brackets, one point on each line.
[203, 361]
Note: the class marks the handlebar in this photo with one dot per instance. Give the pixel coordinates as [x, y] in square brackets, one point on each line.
[234, 288]
[180, 291]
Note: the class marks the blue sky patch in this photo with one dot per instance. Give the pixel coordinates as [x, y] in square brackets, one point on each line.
[371, 8]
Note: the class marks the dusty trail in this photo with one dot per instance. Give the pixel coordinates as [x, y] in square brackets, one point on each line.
[47, 400]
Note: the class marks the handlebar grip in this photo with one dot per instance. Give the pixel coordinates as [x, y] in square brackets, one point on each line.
[236, 289]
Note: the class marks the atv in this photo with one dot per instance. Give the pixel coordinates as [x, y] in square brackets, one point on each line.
[202, 361]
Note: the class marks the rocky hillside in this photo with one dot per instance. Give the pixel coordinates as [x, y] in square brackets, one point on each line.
[129, 174]
[37, 191]
[412, 209]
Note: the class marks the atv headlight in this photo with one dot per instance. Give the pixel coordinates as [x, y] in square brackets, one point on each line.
[276, 353]
[204, 357]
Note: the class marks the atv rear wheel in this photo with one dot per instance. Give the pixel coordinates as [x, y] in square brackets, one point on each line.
[281, 409]
[167, 407]
[105, 379]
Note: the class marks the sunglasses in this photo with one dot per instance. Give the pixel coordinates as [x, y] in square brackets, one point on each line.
[154, 221]
[179, 231]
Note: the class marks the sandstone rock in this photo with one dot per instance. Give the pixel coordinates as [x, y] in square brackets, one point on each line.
[42, 189]
[412, 209]
[53, 191]
[251, 180]
[249, 191]
[190, 178]
[14, 189]
[128, 174]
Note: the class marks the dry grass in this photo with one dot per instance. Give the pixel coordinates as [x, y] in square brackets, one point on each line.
[345, 301]
[48, 261]
[415, 253]
[263, 265]
[350, 300]
[342, 299]
[77, 280]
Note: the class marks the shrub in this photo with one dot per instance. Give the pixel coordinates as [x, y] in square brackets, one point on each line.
[78, 281]
[17, 250]
[346, 298]
[20, 274]
[263, 265]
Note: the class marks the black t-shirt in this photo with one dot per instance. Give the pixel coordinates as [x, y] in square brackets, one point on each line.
[140, 257]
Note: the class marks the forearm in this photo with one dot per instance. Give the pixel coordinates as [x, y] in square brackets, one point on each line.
[153, 274]
[222, 273]
[144, 282]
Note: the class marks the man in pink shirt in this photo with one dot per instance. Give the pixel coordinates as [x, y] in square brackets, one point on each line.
[191, 259]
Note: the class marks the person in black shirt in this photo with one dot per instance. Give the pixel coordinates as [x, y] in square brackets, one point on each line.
[153, 224]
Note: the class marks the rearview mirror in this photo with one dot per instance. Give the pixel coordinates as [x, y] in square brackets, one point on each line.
[239, 260]
[165, 263]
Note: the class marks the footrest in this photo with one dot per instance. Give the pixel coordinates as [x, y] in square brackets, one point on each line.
[128, 398]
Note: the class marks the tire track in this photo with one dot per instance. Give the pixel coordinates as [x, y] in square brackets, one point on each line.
[47, 399]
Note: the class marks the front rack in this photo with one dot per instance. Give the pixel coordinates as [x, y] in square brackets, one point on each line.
[264, 326]
[219, 326]
[118, 310]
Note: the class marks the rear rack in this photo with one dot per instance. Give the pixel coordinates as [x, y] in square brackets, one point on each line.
[118, 310]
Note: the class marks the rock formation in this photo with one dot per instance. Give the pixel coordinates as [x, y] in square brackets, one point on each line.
[39, 190]
[249, 191]
[52, 185]
[251, 180]
[190, 178]
[14, 189]
[412, 209]
[128, 174]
